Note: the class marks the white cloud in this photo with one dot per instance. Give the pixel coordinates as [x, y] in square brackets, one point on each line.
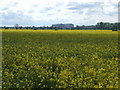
[58, 11]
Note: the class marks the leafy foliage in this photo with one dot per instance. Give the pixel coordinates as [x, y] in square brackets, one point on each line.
[62, 59]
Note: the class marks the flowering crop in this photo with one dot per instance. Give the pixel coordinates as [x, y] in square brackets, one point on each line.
[60, 59]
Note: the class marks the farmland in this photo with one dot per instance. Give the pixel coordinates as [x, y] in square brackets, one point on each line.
[60, 59]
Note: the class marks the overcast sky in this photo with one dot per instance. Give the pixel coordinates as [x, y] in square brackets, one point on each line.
[48, 12]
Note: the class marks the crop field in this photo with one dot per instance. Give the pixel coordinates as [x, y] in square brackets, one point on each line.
[59, 59]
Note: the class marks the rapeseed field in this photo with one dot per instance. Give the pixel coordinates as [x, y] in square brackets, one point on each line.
[59, 59]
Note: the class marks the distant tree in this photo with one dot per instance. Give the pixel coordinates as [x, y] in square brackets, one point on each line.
[43, 27]
[115, 27]
[51, 27]
[16, 26]
[83, 27]
[40, 27]
[5, 27]
[33, 27]
[26, 27]
[20, 27]
[118, 26]
[77, 27]
[98, 25]
[56, 28]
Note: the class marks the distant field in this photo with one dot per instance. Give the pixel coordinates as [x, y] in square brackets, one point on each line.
[60, 59]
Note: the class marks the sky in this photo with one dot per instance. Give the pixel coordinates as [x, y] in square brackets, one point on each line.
[48, 12]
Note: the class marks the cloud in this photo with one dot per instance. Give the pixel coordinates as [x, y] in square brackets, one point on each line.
[11, 18]
[46, 9]
[46, 12]
[74, 5]
[4, 9]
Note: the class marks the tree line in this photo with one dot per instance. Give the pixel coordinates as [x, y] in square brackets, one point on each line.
[101, 26]
[98, 26]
